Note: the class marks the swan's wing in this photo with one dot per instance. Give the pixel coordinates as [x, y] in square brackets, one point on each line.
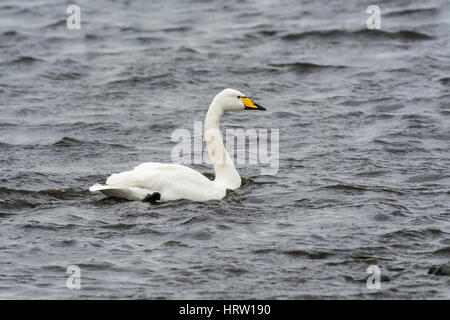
[133, 178]
[130, 193]
[173, 181]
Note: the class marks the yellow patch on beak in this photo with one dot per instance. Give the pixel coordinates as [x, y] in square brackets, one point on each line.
[249, 103]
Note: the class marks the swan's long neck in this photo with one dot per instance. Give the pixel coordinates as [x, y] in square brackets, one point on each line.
[226, 173]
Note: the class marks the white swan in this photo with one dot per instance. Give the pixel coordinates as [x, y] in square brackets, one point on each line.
[164, 182]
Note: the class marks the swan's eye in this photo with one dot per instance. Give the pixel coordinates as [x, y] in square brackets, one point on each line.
[238, 97]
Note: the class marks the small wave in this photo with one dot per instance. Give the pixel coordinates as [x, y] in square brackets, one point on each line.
[403, 149]
[421, 11]
[23, 60]
[161, 79]
[9, 33]
[427, 178]
[389, 108]
[67, 141]
[315, 255]
[268, 33]
[131, 29]
[440, 270]
[91, 36]
[93, 265]
[176, 29]
[194, 220]
[186, 50]
[399, 35]
[400, 70]
[413, 235]
[48, 226]
[443, 251]
[345, 187]
[54, 268]
[7, 7]
[8, 191]
[314, 34]
[59, 23]
[17, 195]
[359, 188]
[336, 34]
[120, 226]
[236, 271]
[301, 67]
[12, 205]
[61, 76]
[148, 40]
[445, 81]
[199, 234]
[173, 243]
[71, 142]
[371, 174]
[64, 194]
[285, 114]
[13, 36]
[297, 253]
[264, 251]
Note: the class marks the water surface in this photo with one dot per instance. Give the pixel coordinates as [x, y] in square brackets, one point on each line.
[364, 120]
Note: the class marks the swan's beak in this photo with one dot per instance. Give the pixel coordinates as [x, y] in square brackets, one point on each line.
[250, 105]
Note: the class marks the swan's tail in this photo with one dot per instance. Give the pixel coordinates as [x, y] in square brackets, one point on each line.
[129, 193]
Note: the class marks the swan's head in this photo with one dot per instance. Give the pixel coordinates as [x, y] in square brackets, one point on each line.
[234, 100]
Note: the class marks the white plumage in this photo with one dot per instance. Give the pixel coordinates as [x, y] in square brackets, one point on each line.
[173, 181]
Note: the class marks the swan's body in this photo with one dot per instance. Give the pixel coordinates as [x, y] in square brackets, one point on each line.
[173, 181]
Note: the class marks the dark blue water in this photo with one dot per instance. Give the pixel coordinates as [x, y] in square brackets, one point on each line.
[364, 120]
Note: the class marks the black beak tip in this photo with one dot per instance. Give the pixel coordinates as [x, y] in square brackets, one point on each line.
[259, 107]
